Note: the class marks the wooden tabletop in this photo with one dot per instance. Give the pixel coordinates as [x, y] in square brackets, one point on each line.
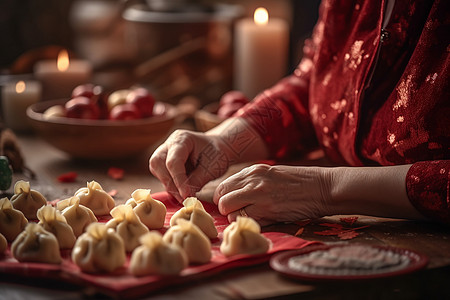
[256, 282]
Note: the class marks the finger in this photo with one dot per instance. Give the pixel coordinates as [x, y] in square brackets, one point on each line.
[176, 159]
[231, 183]
[233, 201]
[157, 166]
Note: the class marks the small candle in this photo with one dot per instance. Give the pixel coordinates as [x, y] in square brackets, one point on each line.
[61, 76]
[16, 97]
[261, 51]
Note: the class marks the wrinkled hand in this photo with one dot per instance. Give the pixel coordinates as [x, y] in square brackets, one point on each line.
[273, 194]
[187, 160]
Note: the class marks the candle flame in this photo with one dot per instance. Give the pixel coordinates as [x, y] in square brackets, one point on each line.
[261, 16]
[63, 60]
[20, 87]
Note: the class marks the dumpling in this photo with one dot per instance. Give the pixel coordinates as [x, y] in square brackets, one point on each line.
[243, 237]
[94, 197]
[51, 220]
[99, 249]
[127, 224]
[35, 244]
[3, 244]
[12, 221]
[151, 212]
[77, 216]
[194, 211]
[27, 200]
[188, 236]
[157, 257]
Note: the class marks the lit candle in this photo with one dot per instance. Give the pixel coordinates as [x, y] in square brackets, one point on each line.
[261, 51]
[61, 76]
[16, 97]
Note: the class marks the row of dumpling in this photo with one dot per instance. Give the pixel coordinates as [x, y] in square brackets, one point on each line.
[102, 247]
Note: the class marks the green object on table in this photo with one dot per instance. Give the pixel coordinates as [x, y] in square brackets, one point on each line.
[5, 173]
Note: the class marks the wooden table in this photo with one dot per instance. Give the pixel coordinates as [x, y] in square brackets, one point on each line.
[256, 282]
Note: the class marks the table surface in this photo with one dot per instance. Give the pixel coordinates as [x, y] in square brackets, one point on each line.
[256, 282]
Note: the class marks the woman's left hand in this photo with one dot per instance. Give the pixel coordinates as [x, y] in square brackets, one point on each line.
[271, 194]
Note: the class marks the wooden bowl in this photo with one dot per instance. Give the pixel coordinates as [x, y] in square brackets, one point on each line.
[207, 118]
[100, 139]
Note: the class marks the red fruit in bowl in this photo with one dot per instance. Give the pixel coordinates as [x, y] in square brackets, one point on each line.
[143, 100]
[233, 97]
[85, 90]
[82, 108]
[126, 111]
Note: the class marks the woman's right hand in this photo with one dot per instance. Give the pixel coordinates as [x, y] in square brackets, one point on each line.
[188, 160]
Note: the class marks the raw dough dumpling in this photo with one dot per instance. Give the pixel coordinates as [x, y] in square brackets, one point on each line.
[27, 200]
[35, 244]
[99, 249]
[97, 199]
[128, 225]
[12, 221]
[188, 236]
[152, 212]
[243, 237]
[194, 211]
[157, 257]
[77, 216]
[51, 220]
[3, 244]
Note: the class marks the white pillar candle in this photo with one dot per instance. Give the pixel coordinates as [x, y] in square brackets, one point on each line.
[261, 52]
[60, 77]
[16, 97]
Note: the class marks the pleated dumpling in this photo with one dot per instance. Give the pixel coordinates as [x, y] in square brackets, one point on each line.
[3, 244]
[27, 200]
[35, 244]
[152, 212]
[243, 237]
[97, 199]
[53, 221]
[194, 211]
[157, 257]
[12, 221]
[99, 249]
[128, 225]
[77, 216]
[188, 236]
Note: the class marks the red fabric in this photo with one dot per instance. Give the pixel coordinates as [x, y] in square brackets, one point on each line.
[368, 94]
[120, 283]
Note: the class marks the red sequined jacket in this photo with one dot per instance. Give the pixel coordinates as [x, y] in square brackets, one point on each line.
[371, 89]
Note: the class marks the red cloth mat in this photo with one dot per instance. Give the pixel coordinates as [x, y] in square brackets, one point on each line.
[121, 283]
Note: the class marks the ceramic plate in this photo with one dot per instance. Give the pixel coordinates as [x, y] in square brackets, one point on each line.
[338, 262]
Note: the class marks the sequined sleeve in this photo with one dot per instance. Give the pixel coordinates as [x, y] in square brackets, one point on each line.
[428, 188]
[281, 117]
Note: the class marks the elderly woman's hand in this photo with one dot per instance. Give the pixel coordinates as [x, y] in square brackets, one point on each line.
[187, 160]
[272, 194]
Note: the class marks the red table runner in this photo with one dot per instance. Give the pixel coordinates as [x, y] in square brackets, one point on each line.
[121, 283]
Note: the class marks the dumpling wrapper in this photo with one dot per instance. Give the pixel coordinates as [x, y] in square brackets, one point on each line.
[194, 242]
[77, 216]
[128, 225]
[152, 212]
[97, 199]
[194, 211]
[157, 257]
[35, 244]
[27, 200]
[3, 244]
[12, 221]
[243, 236]
[99, 249]
[53, 221]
